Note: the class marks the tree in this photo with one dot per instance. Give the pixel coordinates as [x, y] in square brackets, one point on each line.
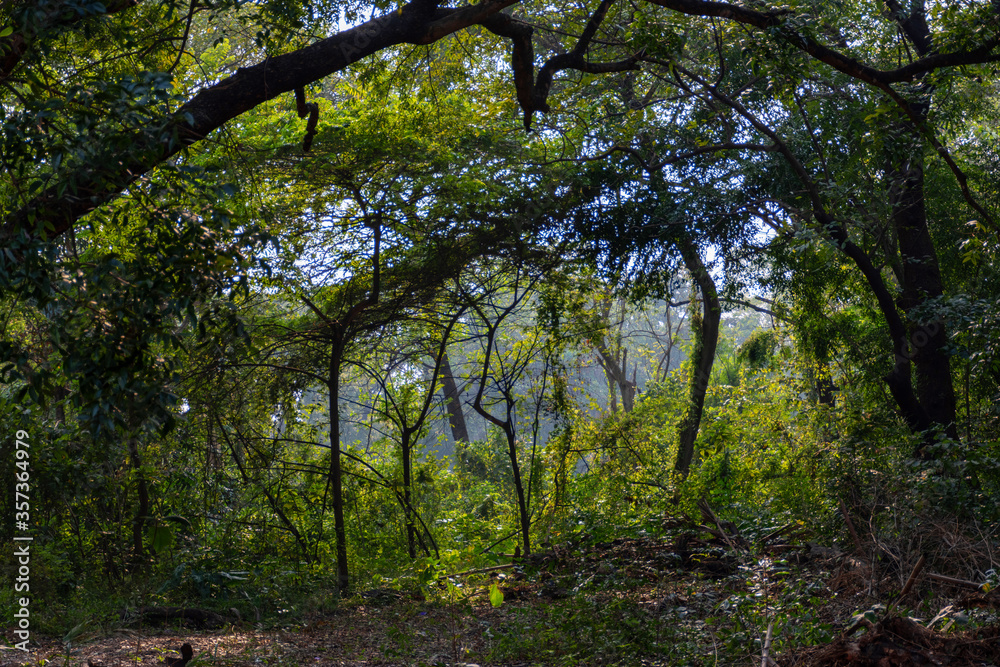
[705, 339]
[704, 102]
[370, 244]
[503, 366]
[452, 400]
[420, 22]
[407, 402]
[92, 148]
[612, 355]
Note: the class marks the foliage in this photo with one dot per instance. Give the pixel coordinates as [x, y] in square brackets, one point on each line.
[236, 251]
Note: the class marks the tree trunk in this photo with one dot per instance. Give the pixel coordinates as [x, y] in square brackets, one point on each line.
[507, 425]
[617, 375]
[925, 346]
[706, 332]
[411, 530]
[921, 272]
[826, 388]
[522, 505]
[142, 495]
[336, 473]
[453, 402]
[212, 106]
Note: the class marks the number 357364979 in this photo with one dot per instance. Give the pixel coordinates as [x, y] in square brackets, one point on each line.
[21, 487]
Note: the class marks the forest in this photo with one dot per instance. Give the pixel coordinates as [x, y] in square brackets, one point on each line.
[617, 332]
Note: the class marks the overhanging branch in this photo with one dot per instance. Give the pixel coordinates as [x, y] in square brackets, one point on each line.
[777, 19]
[52, 212]
[532, 94]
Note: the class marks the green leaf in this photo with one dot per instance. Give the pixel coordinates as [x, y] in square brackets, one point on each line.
[496, 595]
[75, 632]
[160, 538]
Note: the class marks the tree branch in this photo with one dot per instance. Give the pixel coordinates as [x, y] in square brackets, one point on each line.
[592, 25]
[899, 378]
[532, 94]
[575, 61]
[57, 208]
[522, 57]
[777, 19]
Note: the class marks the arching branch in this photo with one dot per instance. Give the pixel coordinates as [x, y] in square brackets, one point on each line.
[777, 20]
[53, 211]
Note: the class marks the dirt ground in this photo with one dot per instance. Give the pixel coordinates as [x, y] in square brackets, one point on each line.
[688, 569]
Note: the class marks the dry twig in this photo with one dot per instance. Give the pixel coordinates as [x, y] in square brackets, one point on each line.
[765, 657]
[850, 527]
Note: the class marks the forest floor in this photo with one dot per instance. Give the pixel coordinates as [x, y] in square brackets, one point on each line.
[696, 595]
